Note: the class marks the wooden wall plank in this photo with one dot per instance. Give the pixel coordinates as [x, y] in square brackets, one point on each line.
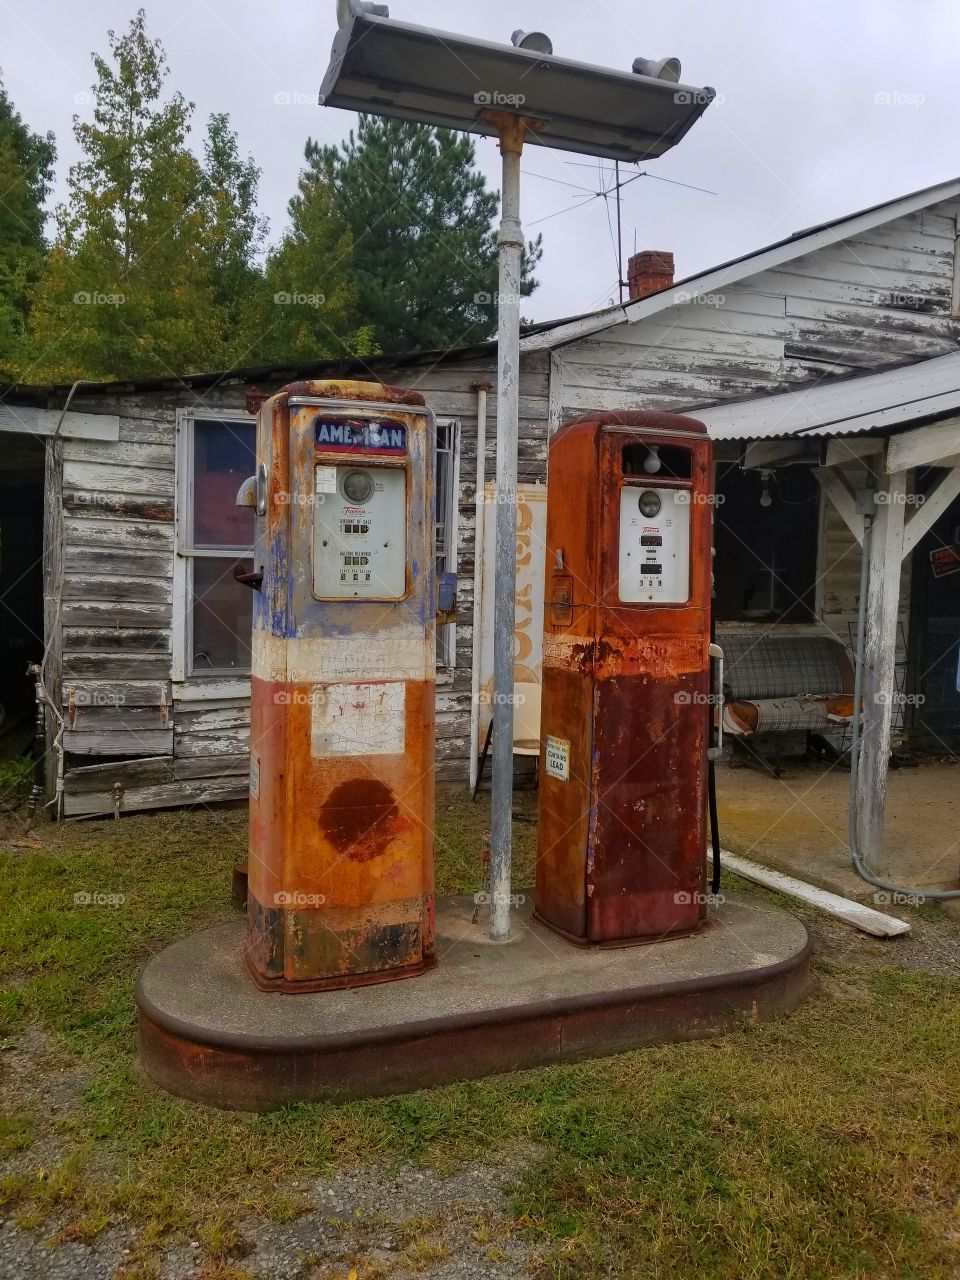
[141, 742]
[100, 477]
[174, 795]
[127, 639]
[139, 454]
[116, 693]
[115, 666]
[133, 535]
[116, 614]
[107, 506]
[108, 588]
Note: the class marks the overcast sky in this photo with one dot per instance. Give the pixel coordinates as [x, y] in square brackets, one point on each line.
[823, 107]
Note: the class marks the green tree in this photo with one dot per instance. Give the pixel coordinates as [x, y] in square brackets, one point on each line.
[153, 248]
[234, 234]
[422, 221]
[307, 307]
[26, 172]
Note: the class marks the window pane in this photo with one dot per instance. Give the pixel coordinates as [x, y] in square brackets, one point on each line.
[444, 480]
[222, 616]
[224, 455]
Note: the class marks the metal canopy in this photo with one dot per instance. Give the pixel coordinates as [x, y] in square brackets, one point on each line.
[390, 68]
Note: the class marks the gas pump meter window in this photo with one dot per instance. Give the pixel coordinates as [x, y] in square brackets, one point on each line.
[654, 544]
[360, 530]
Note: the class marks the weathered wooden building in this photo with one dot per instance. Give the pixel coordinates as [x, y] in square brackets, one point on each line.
[143, 629]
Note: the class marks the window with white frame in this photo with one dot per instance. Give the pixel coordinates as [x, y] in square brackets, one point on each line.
[447, 511]
[213, 612]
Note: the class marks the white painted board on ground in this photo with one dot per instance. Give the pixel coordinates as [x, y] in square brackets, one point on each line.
[845, 909]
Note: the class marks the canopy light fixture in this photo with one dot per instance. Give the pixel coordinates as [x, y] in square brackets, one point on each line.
[383, 67]
[535, 41]
[662, 69]
[347, 8]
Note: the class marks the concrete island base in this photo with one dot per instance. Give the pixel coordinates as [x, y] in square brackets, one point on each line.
[208, 1033]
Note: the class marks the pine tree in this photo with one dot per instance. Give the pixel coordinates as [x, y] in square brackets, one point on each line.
[422, 222]
[307, 307]
[26, 172]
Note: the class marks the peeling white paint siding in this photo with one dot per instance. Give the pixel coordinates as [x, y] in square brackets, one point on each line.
[880, 299]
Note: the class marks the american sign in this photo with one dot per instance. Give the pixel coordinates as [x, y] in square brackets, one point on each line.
[338, 434]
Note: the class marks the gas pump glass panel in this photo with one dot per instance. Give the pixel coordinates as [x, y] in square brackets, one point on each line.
[360, 522]
[360, 533]
[654, 545]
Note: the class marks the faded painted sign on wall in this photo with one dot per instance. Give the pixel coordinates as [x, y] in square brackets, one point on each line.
[528, 626]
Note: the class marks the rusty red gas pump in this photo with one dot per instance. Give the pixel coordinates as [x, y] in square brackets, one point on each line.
[344, 662]
[626, 679]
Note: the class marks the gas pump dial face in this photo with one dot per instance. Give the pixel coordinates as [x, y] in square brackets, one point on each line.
[360, 532]
[650, 504]
[654, 545]
[357, 486]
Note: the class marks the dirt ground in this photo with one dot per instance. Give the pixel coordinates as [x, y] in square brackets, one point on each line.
[798, 824]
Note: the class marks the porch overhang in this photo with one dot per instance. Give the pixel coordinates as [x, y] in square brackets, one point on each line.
[886, 424]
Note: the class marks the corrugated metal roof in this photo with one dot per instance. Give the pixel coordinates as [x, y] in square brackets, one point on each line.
[867, 404]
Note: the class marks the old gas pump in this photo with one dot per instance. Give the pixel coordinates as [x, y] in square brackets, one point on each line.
[626, 679]
[344, 664]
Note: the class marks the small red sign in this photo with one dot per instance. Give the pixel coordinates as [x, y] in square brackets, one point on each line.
[945, 560]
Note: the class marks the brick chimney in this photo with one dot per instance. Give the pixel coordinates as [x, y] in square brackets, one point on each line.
[648, 272]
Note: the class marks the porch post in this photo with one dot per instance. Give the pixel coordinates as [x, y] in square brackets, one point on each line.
[883, 611]
[52, 658]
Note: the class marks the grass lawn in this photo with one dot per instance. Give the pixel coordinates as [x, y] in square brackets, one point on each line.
[823, 1145]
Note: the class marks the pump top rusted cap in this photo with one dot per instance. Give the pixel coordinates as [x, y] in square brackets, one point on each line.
[334, 389]
[648, 420]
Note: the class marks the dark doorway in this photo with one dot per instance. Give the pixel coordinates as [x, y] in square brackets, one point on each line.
[935, 630]
[765, 530]
[21, 585]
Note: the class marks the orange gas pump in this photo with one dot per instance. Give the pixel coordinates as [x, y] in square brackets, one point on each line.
[626, 679]
[344, 661]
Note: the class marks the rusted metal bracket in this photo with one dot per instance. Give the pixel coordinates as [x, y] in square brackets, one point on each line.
[512, 130]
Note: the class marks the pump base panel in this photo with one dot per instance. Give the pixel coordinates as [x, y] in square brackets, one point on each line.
[207, 1032]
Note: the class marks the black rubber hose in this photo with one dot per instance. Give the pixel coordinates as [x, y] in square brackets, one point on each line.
[712, 769]
[714, 826]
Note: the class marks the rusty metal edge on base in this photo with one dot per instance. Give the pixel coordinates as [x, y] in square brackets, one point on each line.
[250, 1073]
